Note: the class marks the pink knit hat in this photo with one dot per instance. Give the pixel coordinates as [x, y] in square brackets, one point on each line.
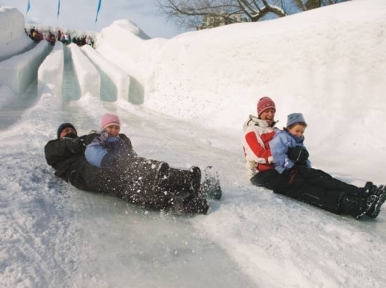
[264, 104]
[110, 119]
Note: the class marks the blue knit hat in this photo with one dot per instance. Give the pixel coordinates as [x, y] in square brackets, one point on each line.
[295, 118]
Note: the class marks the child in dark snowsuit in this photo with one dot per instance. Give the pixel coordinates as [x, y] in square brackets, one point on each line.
[298, 180]
[149, 183]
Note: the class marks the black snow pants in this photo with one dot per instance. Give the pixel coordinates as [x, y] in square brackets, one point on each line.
[309, 185]
[145, 182]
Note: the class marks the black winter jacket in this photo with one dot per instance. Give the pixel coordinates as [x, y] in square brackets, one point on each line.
[66, 156]
[132, 178]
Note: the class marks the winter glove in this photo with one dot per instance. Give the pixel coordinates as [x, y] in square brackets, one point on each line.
[89, 138]
[102, 138]
[78, 145]
[298, 155]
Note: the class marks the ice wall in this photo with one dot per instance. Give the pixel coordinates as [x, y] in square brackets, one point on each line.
[113, 77]
[20, 71]
[88, 76]
[50, 72]
[13, 39]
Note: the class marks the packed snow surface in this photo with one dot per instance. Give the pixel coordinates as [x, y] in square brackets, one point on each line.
[184, 101]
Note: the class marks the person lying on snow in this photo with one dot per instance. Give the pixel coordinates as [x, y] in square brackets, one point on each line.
[121, 172]
[278, 160]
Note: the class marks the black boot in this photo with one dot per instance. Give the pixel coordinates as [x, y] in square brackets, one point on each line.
[195, 205]
[380, 192]
[186, 180]
[195, 178]
[358, 206]
[211, 188]
[180, 190]
[369, 189]
[161, 179]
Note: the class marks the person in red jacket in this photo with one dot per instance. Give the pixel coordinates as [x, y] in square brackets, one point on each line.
[301, 182]
[258, 132]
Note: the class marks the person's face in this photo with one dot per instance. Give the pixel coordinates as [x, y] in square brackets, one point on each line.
[268, 115]
[65, 131]
[297, 130]
[113, 130]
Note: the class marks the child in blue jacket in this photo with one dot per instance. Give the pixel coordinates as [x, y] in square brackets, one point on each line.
[297, 179]
[149, 183]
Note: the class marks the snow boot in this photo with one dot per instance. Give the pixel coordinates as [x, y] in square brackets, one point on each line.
[184, 204]
[177, 203]
[369, 189]
[181, 181]
[211, 188]
[194, 205]
[358, 206]
[161, 180]
[195, 179]
[381, 193]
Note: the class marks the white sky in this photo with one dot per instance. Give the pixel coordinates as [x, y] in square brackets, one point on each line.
[198, 89]
[80, 15]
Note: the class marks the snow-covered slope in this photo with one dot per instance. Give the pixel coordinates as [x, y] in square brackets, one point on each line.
[196, 90]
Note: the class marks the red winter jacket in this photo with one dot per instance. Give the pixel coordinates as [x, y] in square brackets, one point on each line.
[257, 135]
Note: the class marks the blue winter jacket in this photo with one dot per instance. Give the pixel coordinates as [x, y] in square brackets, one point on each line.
[105, 151]
[279, 148]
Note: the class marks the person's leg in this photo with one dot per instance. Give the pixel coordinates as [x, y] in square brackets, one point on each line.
[167, 188]
[262, 179]
[146, 182]
[185, 185]
[326, 181]
[184, 181]
[293, 185]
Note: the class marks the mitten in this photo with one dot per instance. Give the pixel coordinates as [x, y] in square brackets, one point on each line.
[298, 155]
[89, 138]
[78, 145]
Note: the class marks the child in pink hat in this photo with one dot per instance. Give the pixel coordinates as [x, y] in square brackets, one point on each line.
[146, 182]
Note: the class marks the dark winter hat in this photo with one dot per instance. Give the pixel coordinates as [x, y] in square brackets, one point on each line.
[295, 118]
[264, 104]
[64, 126]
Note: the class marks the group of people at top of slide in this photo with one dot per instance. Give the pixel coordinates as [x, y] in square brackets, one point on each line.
[105, 162]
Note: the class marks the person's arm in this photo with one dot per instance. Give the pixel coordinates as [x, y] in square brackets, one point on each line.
[106, 151]
[256, 150]
[58, 150]
[97, 150]
[279, 148]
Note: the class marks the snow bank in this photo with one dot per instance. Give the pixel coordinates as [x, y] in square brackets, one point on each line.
[229, 68]
[124, 44]
[246, 61]
[7, 96]
[11, 23]
[259, 230]
[113, 78]
[20, 71]
[51, 70]
[88, 76]
[13, 39]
